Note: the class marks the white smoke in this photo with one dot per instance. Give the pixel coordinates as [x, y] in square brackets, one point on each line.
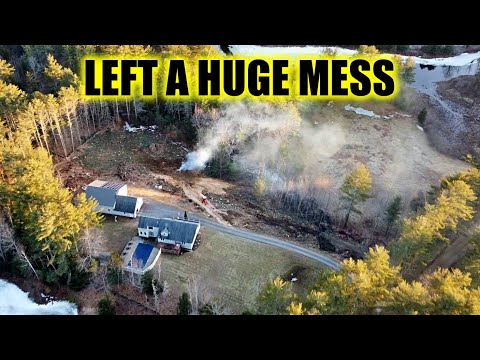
[196, 160]
[238, 123]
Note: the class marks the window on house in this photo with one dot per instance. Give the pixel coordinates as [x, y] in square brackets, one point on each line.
[150, 228]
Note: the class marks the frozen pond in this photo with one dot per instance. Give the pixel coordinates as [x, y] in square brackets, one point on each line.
[427, 71]
[14, 301]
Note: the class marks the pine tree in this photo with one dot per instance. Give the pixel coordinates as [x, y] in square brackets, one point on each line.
[43, 213]
[106, 307]
[275, 298]
[6, 70]
[356, 189]
[422, 116]
[124, 50]
[368, 50]
[260, 186]
[58, 75]
[12, 99]
[392, 213]
[471, 262]
[452, 205]
[184, 305]
[295, 308]
[374, 286]
[409, 299]
[451, 294]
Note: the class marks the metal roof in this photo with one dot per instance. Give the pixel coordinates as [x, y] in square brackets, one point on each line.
[113, 185]
[179, 230]
[145, 221]
[126, 204]
[104, 196]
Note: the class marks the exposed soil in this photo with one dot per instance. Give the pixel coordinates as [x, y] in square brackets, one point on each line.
[398, 154]
[464, 94]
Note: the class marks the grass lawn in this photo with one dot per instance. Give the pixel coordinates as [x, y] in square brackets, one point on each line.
[234, 269]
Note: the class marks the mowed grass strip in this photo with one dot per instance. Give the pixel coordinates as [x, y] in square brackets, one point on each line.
[234, 269]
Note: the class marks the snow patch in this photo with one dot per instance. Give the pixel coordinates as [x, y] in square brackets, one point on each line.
[361, 111]
[459, 60]
[420, 128]
[132, 129]
[14, 301]
[287, 50]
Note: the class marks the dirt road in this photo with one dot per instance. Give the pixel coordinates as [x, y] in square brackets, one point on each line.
[155, 208]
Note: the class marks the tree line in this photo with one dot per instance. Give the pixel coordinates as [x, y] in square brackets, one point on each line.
[381, 284]
[374, 287]
[44, 230]
[40, 91]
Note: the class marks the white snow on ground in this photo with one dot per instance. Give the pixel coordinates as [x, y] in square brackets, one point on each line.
[459, 60]
[361, 111]
[14, 301]
[286, 50]
[132, 129]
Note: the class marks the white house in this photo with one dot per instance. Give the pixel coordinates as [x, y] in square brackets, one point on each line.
[113, 198]
[169, 231]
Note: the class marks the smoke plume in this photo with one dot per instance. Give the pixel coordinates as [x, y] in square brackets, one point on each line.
[237, 124]
[196, 160]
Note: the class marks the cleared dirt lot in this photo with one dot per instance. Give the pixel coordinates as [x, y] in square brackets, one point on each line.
[397, 153]
[232, 269]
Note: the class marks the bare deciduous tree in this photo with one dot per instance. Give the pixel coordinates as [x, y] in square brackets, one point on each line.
[7, 244]
[90, 245]
[23, 258]
[202, 294]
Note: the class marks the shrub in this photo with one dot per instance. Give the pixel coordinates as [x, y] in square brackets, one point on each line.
[147, 279]
[206, 310]
[402, 48]
[115, 270]
[422, 116]
[184, 305]
[260, 186]
[79, 280]
[106, 307]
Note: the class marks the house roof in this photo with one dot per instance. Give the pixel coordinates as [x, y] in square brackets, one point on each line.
[104, 196]
[126, 204]
[104, 192]
[146, 221]
[113, 185]
[179, 230]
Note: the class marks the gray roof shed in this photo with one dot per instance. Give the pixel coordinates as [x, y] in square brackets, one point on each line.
[126, 204]
[104, 196]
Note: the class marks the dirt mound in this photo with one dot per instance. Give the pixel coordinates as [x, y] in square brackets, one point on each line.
[465, 88]
[130, 172]
[463, 138]
[74, 176]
